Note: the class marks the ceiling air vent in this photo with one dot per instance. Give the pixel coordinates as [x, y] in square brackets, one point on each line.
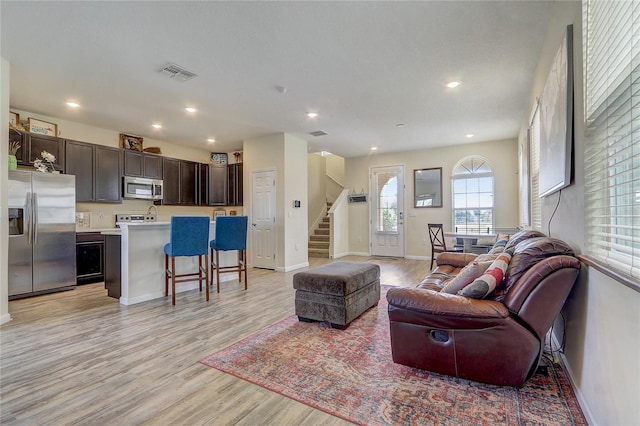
[177, 72]
[318, 133]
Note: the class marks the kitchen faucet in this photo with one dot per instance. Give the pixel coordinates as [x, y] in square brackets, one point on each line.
[154, 208]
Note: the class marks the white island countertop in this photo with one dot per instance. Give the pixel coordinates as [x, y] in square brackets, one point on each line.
[142, 261]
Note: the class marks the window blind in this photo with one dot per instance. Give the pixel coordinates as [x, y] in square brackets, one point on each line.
[612, 131]
[534, 143]
[524, 184]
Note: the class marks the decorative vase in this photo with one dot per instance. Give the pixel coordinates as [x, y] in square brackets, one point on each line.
[13, 162]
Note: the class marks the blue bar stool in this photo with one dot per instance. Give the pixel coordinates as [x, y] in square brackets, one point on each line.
[189, 237]
[231, 234]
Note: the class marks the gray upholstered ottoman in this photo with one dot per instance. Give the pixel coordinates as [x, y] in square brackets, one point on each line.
[337, 293]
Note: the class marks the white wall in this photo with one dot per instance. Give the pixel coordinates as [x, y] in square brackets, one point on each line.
[4, 224]
[295, 188]
[317, 192]
[335, 168]
[287, 155]
[503, 156]
[602, 333]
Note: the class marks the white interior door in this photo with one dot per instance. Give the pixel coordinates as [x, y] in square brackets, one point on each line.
[263, 219]
[387, 211]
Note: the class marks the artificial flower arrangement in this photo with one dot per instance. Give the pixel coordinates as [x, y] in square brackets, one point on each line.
[14, 146]
[45, 163]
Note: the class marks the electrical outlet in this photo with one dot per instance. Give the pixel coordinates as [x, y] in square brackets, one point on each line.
[297, 247]
[424, 242]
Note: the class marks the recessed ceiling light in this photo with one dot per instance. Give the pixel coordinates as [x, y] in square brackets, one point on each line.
[156, 126]
[453, 84]
[373, 148]
[312, 114]
[211, 140]
[468, 135]
[73, 105]
[190, 109]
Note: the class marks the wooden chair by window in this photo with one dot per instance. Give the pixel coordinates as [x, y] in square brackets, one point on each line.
[189, 237]
[438, 245]
[231, 234]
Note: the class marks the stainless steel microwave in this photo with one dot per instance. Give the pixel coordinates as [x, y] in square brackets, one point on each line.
[143, 188]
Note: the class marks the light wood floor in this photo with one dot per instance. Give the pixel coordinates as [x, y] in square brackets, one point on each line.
[79, 357]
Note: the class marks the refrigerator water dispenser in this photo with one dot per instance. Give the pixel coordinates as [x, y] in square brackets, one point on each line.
[16, 221]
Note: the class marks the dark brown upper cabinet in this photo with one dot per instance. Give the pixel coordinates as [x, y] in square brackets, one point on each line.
[213, 185]
[97, 170]
[234, 185]
[33, 144]
[141, 164]
[180, 182]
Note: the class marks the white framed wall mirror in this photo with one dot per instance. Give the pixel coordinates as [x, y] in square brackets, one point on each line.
[427, 184]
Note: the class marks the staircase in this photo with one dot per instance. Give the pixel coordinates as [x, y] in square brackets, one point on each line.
[319, 241]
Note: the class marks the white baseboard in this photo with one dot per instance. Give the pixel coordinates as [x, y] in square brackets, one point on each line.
[338, 256]
[356, 253]
[427, 258]
[5, 318]
[572, 380]
[293, 267]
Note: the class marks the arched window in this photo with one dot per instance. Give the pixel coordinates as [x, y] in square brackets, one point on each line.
[472, 183]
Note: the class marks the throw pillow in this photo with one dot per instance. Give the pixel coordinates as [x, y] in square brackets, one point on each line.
[485, 284]
[498, 247]
[502, 236]
[487, 257]
[466, 275]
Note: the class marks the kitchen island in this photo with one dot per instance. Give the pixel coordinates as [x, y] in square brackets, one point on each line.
[142, 261]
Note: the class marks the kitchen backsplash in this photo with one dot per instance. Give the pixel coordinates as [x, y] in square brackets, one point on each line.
[104, 215]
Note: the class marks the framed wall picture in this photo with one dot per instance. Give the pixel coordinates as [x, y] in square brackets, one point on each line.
[14, 118]
[131, 142]
[41, 127]
[556, 121]
[219, 158]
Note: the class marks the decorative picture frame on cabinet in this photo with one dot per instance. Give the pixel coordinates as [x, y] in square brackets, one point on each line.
[14, 119]
[41, 127]
[131, 142]
[219, 158]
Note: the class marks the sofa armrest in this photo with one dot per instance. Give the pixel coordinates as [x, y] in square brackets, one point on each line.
[458, 260]
[444, 304]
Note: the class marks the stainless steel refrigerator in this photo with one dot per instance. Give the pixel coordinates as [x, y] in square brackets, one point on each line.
[42, 233]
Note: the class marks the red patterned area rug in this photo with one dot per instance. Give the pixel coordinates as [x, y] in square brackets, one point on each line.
[350, 374]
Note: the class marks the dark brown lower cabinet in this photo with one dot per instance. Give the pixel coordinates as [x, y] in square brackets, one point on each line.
[113, 266]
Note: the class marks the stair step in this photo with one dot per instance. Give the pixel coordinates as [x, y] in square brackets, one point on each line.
[319, 245]
[318, 253]
[321, 232]
[319, 238]
[326, 219]
[324, 225]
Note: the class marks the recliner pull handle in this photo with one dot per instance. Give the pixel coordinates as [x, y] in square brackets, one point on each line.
[439, 336]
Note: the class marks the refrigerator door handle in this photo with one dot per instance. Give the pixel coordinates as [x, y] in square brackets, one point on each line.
[35, 218]
[28, 217]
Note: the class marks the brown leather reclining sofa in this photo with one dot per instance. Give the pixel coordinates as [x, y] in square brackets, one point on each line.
[497, 341]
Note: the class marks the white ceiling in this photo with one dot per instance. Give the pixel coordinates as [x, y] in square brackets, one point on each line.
[363, 66]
